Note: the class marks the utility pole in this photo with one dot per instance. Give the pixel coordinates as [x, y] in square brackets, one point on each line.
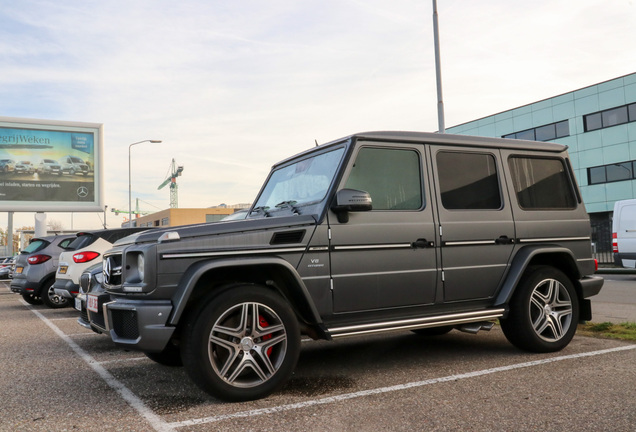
[438, 72]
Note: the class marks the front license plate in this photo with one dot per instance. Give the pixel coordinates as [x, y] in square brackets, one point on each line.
[78, 304]
[92, 303]
[63, 269]
[18, 270]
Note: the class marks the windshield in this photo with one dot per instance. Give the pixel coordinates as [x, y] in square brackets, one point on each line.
[303, 182]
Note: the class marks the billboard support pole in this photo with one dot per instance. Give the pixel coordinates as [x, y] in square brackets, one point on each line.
[40, 224]
[10, 234]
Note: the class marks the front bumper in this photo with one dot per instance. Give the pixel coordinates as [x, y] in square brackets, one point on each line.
[139, 324]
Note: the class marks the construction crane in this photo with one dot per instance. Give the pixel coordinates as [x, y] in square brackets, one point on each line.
[136, 211]
[175, 171]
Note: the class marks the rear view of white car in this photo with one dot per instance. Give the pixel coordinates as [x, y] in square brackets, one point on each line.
[624, 233]
[88, 248]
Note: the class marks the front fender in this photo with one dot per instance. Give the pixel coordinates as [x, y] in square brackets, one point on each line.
[298, 294]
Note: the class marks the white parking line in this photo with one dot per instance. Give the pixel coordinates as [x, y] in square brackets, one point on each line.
[155, 421]
[347, 396]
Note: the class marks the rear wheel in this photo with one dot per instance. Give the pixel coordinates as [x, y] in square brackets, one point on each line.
[243, 345]
[53, 300]
[544, 311]
[32, 299]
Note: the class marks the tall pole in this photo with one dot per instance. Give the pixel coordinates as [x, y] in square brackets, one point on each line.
[438, 72]
[129, 179]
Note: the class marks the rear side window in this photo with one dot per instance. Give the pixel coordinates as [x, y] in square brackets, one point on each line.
[392, 177]
[542, 183]
[66, 243]
[468, 181]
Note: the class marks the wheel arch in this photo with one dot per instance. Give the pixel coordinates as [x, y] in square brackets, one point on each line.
[205, 277]
[558, 257]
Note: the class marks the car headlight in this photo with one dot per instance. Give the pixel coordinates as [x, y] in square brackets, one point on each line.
[141, 262]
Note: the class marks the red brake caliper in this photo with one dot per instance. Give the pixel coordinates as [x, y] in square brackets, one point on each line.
[263, 323]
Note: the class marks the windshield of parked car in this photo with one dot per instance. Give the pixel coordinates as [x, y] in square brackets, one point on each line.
[303, 182]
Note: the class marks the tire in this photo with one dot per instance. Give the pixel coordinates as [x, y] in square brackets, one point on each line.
[242, 345]
[433, 331]
[170, 356]
[52, 300]
[32, 299]
[544, 311]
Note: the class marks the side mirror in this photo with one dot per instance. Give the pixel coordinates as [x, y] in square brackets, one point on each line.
[351, 200]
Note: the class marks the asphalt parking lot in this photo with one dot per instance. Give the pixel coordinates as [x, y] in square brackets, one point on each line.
[58, 376]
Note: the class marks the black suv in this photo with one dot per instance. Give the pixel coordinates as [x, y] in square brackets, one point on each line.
[370, 233]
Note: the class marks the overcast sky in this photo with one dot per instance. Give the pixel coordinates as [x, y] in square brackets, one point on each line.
[231, 87]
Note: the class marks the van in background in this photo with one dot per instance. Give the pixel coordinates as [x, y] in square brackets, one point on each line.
[624, 233]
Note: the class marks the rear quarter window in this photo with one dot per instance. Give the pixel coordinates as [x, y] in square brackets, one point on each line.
[542, 183]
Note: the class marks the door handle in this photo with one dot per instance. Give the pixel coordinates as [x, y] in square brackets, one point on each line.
[504, 240]
[422, 244]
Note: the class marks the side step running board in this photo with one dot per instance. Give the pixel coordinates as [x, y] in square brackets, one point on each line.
[462, 320]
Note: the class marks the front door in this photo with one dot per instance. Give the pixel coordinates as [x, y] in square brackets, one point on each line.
[385, 258]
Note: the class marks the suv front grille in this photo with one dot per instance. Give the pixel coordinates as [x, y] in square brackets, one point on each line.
[85, 282]
[112, 270]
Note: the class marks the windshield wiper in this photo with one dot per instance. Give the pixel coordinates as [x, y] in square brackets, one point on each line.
[261, 209]
[290, 204]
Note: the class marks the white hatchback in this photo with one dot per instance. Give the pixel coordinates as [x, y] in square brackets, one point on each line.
[88, 248]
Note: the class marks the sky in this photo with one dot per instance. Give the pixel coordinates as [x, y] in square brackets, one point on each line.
[232, 87]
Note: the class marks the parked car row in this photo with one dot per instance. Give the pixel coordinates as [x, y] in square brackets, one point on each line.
[67, 165]
[49, 268]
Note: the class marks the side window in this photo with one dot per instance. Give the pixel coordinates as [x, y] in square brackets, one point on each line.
[541, 183]
[392, 177]
[468, 181]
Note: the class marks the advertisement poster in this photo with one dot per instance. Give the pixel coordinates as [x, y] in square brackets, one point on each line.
[49, 167]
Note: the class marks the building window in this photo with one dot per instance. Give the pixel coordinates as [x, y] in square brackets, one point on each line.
[611, 173]
[165, 221]
[543, 133]
[611, 117]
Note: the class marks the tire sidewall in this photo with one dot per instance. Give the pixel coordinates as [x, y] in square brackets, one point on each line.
[518, 326]
[196, 335]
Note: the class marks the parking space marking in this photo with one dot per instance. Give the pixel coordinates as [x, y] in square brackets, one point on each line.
[124, 360]
[137, 404]
[389, 389]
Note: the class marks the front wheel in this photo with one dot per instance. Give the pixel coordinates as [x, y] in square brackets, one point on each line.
[544, 311]
[243, 345]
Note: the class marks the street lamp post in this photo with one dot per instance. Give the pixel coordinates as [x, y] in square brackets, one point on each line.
[129, 179]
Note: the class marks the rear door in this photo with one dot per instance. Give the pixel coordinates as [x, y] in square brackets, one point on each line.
[385, 258]
[477, 229]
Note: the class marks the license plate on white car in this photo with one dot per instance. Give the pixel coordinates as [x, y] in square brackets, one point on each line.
[78, 304]
[92, 303]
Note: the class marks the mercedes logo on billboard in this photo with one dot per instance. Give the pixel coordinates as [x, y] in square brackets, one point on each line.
[82, 191]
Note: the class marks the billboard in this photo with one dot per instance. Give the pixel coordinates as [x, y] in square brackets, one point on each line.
[50, 165]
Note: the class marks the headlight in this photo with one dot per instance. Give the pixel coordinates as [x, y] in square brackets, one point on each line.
[141, 261]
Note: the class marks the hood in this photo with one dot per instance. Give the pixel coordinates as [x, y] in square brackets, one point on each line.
[216, 228]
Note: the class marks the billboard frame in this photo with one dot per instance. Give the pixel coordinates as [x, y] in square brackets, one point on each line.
[56, 128]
